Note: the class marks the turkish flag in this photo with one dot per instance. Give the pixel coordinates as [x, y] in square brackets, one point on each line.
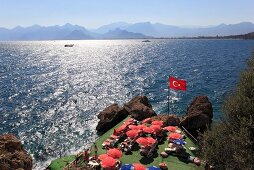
[177, 84]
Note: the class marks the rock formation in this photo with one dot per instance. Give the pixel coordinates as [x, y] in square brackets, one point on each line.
[199, 115]
[12, 154]
[109, 117]
[139, 108]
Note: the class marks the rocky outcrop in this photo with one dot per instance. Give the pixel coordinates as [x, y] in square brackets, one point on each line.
[199, 114]
[168, 119]
[109, 117]
[12, 154]
[139, 108]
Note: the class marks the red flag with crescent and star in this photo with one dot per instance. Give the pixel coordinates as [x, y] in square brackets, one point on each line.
[177, 84]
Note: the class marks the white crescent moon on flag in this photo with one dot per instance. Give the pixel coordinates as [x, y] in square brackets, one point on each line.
[176, 85]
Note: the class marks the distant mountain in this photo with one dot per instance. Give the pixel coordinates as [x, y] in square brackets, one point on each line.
[121, 30]
[162, 30]
[106, 28]
[78, 35]
[122, 34]
[37, 32]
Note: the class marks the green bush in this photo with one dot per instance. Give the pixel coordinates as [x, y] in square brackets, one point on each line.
[229, 144]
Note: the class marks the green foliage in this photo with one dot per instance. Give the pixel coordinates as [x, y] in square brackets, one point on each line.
[229, 144]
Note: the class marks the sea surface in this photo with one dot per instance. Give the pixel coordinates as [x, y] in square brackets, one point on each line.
[50, 95]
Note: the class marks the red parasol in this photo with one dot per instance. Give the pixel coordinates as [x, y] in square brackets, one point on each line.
[109, 162]
[148, 130]
[132, 133]
[147, 120]
[150, 140]
[129, 120]
[156, 128]
[134, 127]
[121, 128]
[157, 122]
[138, 166]
[103, 156]
[142, 126]
[142, 141]
[170, 128]
[115, 153]
[175, 136]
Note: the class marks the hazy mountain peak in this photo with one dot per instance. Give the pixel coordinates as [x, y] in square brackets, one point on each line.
[18, 28]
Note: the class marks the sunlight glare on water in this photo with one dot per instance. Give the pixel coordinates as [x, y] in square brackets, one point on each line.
[51, 95]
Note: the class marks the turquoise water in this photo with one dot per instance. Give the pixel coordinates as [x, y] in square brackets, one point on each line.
[50, 95]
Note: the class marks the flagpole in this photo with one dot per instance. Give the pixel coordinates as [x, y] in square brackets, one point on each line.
[168, 99]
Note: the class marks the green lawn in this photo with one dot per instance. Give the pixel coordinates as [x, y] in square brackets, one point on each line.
[173, 162]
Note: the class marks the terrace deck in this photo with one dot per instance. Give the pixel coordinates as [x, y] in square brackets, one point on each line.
[173, 162]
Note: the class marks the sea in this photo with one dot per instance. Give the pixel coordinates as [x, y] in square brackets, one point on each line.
[50, 95]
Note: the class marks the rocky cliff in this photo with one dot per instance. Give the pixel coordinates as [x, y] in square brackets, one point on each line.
[12, 154]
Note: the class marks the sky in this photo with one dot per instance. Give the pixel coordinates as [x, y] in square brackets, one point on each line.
[94, 13]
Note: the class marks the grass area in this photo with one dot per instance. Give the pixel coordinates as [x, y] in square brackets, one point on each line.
[173, 162]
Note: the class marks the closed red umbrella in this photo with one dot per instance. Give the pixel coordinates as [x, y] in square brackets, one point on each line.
[175, 136]
[157, 122]
[132, 133]
[103, 156]
[115, 153]
[151, 140]
[156, 128]
[142, 141]
[109, 162]
[147, 120]
[170, 128]
[148, 130]
[138, 166]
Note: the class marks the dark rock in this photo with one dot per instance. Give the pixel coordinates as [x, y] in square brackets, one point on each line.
[12, 155]
[109, 117]
[199, 114]
[139, 108]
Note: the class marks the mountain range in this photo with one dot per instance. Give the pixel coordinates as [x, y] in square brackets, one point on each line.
[121, 30]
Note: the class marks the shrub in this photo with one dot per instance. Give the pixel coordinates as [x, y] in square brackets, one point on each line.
[229, 144]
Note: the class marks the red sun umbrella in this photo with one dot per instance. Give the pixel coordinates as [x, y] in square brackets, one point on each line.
[115, 153]
[138, 166]
[129, 120]
[121, 128]
[150, 140]
[142, 141]
[170, 128]
[142, 126]
[132, 133]
[156, 128]
[148, 130]
[109, 162]
[175, 136]
[134, 127]
[147, 120]
[157, 122]
[103, 156]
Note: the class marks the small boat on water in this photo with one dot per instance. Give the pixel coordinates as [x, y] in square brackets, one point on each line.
[68, 45]
[146, 41]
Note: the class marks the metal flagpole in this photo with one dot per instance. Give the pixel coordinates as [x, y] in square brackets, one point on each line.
[168, 98]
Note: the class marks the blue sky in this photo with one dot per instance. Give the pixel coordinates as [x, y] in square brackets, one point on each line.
[94, 13]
